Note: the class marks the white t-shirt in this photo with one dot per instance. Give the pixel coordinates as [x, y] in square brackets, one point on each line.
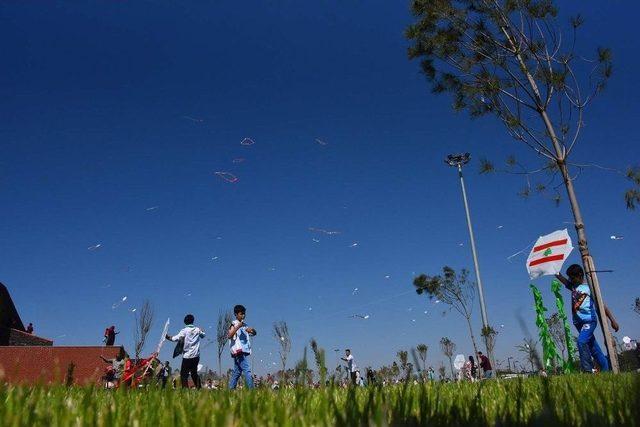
[351, 364]
[241, 341]
[191, 335]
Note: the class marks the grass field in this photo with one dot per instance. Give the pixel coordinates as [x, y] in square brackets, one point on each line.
[603, 400]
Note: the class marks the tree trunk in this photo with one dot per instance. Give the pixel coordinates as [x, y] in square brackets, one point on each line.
[473, 341]
[220, 364]
[587, 260]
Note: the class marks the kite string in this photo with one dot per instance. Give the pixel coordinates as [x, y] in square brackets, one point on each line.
[521, 251]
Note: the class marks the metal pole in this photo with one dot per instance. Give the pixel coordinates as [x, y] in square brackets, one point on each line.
[483, 309]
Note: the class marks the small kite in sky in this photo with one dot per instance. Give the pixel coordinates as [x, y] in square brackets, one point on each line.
[119, 303]
[500, 227]
[214, 258]
[316, 240]
[227, 176]
[353, 245]
[323, 231]
[617, 237]
[94, 247]
[359, 316]
[247, 141]
[193, 119]
[321, 142]
[152, 208]
[548, 254]
[238, 160]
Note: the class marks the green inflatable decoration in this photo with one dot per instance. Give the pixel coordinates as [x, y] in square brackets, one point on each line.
[569, 364]
[549, 351]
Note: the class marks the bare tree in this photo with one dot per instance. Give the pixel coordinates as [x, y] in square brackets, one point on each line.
[281, 334]
[403, 357]
[442, 372]
[143, 323]
[321, 366]
[636, 306]
[556, 329]
[528, 348]
[452, 289]
[422, 352]
[448, 347]
[512, 60]
[225, 318]
[489, 335]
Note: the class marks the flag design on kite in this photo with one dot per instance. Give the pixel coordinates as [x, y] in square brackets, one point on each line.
[549, 253]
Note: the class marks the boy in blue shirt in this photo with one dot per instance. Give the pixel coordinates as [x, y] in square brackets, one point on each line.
[240, 344]
[585, 319]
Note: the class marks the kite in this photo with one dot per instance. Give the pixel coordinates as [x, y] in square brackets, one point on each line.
[321, 142]
[152, 208]
[323, 231]
[617, 237]
[549, 253]
[247, 141]
[229, 177]
[360, 316]
[238, 160]
[94, 247]
[117, 304]
[193, 119]
[353, 245]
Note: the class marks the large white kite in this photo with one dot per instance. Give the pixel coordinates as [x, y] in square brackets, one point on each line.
[549, 253]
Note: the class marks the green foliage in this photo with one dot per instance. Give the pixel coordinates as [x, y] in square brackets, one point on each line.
[632, 196]
[577, 400]
[550, 356]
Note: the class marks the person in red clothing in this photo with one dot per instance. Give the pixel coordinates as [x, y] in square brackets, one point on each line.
[485, 364]
[110, 335]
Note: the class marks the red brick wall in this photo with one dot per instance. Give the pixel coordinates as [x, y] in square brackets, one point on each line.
[22, 338]
[38, 364]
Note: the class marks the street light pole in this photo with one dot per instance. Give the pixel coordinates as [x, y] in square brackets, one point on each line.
[459, 160]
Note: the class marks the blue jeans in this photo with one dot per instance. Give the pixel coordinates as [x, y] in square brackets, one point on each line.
[588, 347]
[240, 366]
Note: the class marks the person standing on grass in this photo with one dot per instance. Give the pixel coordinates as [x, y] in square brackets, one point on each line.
[485, 364]
[240, 344]
[351, 365]
[164, 373]
[190, 352]
[585, 319]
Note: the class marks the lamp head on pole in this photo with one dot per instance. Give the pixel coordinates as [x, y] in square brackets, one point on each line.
[458, 159]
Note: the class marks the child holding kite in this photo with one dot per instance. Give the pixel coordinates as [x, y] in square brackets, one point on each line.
[240, 344]
[585, 319]
[190, 352]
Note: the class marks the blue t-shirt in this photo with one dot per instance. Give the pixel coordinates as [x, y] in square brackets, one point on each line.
[582, 304]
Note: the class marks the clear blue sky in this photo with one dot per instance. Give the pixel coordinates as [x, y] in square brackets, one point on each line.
[93, 133]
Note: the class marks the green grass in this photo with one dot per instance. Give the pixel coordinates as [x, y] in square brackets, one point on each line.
[603, 400]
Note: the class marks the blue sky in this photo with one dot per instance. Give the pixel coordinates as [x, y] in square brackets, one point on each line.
[96, 126]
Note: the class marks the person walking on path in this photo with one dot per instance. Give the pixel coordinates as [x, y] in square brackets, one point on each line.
[240, 344]
[110, 335]
[190, 335]
[351, 365]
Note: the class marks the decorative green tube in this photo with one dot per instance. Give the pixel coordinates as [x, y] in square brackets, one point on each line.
[549, 350]
[569, 364]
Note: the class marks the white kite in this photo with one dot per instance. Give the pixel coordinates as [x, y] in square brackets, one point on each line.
[549, 253]
[165, 331]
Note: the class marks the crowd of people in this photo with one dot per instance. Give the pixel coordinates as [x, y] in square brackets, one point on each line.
[239, 335]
